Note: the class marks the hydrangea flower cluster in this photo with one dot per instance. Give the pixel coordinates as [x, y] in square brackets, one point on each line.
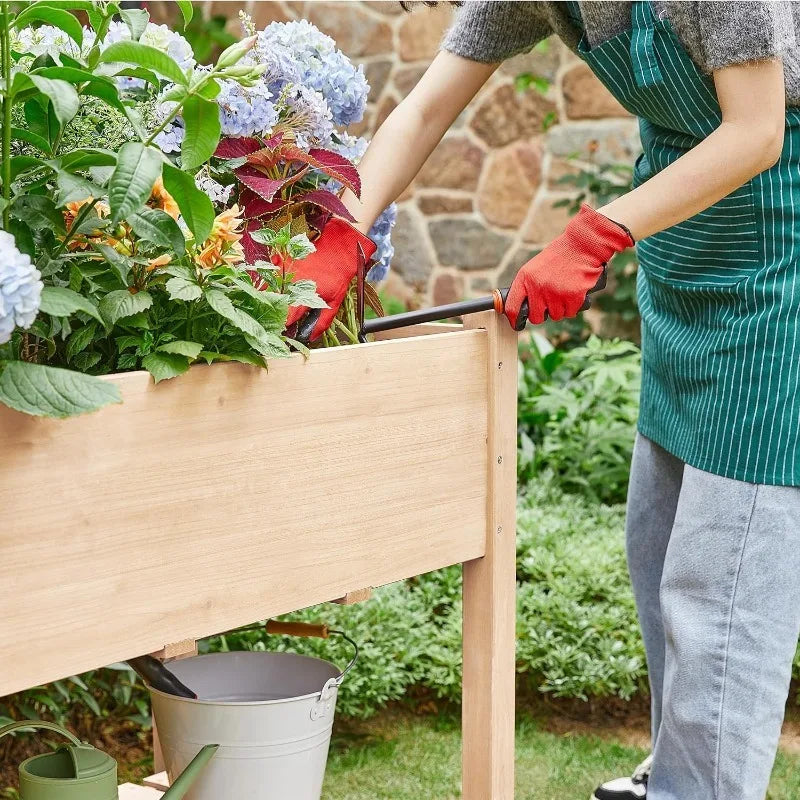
[214, 189]
[20, 288]
[298, 52]
[47, 39]
[308, 116]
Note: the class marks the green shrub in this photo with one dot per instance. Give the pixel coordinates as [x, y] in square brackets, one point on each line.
[576, 624]
[577, 417]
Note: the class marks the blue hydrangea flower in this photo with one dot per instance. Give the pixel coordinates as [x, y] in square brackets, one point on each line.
[246, 111]
[349, 146]
[308, 116]
[381, 234]
[20, 288]
[298, 52]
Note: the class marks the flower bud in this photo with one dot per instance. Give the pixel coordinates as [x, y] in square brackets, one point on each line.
[235, 52]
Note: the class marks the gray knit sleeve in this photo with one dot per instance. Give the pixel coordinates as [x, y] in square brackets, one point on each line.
[493, 30]
[737, 32]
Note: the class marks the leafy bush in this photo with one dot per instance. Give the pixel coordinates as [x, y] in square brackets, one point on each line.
[577, 417]
[576, 623]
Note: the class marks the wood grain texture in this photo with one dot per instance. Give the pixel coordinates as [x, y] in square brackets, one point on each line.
[489, 590]
[231, 495]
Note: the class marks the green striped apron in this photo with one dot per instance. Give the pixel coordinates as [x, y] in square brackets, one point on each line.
[719, 294]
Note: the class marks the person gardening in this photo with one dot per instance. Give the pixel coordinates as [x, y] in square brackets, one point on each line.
[713, 525]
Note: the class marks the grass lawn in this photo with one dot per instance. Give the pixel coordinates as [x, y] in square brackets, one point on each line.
[403, 758]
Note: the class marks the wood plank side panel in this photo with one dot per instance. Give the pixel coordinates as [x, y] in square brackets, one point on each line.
[489, 590]
[240, 495]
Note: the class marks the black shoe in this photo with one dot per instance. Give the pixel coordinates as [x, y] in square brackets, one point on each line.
[633, 788]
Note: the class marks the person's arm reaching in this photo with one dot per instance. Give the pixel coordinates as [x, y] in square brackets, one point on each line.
[749, 139]
[411, 132]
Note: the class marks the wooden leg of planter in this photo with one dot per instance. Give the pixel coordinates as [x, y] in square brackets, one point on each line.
[489, 590]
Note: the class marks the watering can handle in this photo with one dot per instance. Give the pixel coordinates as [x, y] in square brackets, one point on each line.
[50, 726]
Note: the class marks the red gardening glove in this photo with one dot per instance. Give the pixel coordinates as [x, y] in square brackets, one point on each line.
[332, 266]
[557, 281]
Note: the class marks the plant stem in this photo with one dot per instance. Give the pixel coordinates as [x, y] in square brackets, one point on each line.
[5, 156]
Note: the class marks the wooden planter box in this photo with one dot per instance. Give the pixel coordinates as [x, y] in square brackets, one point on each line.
[231, 495]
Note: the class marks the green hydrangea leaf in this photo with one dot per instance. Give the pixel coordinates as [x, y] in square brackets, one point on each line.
[54, 392]
[202, 131]
[120, 304]
[163, 366]
[58, 301]
[196, 207]
[189, 349]
[142, 55]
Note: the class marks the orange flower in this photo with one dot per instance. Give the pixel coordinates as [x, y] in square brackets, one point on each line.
[228, 225]
[161, 261]
[161, 198]
[223, 246]
[70, 213]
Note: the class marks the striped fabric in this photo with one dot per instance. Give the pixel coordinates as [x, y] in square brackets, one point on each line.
[719, 294]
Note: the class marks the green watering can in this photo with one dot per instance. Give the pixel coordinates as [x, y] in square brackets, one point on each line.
[78, 771]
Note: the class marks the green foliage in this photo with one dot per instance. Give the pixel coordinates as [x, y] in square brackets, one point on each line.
[577, 417]
[124, 287]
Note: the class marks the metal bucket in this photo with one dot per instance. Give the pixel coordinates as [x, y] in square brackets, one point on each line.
[270, 713]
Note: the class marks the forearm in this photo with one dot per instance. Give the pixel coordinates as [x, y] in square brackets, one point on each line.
[749, 140]
[394, 157]
[720, 164]
[411, 132]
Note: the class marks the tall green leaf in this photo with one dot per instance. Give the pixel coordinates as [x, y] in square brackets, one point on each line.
[53, 392]
[63, 97]
[157, 226]
[58, 301]
[266, 343]
[136, 19]
[187, 9]
[39, 12]
[142, 55]
[196, 207]
[138, 168]
[121, 303]
[202, 131]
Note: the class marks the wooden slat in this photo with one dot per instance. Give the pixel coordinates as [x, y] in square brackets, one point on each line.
[489, 591]
[129, 791]
[424, 329]
[357, 596]
[157, 781]
[231, 495]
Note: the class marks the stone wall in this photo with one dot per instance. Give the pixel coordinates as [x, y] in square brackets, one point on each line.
[483, 203]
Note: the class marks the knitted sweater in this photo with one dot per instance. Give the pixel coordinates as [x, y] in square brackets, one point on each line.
[715, 34]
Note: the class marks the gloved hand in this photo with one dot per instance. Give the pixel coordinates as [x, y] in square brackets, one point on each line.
[332, 266]
[558, 280]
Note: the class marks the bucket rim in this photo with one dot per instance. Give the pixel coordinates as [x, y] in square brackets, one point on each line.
[230, 703]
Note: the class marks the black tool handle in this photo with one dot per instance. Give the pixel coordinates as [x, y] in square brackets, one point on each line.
[155, 674]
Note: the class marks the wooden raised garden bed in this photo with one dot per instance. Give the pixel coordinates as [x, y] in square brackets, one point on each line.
[231, 495]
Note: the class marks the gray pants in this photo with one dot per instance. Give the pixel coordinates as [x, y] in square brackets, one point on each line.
[715, 567]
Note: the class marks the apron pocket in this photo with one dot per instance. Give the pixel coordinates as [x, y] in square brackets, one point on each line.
[717, 247]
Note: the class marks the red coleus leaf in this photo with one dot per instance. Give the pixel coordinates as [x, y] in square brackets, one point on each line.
[265, 187]
[254, 206]
[332, 164]
[338, 167]
[253, 251]
[275, 140]
[237, 147]
[327, 200]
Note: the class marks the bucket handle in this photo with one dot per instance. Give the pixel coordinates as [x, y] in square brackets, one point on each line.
[26, 724]
[305, 630]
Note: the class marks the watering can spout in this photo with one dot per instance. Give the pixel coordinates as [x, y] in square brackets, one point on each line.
[183, 782]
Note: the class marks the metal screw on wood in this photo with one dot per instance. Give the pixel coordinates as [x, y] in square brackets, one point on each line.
[499, 459]
[499, 529]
